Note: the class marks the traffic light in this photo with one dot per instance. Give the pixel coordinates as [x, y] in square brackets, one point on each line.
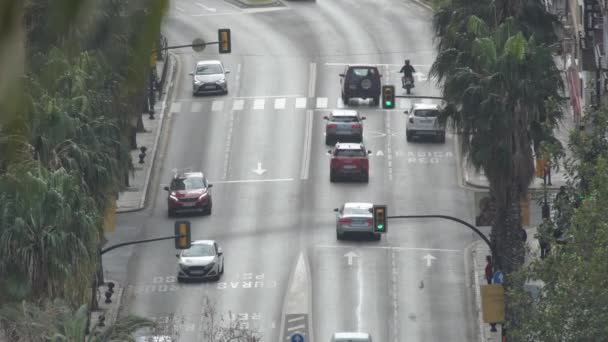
[388, 96]
[224, 39]
[379, 212]
[183, 239]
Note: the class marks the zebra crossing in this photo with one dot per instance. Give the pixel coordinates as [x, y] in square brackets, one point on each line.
[197, 105]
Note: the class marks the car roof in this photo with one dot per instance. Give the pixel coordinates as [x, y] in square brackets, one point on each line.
[203, 242]
[189, 175]
[349, 146]
[344, 112]
[362, 66]
[351, 335]
[426, 106]
[213, 61]
[358, 205]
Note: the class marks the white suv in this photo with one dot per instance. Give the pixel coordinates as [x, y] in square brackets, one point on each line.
[424, 121]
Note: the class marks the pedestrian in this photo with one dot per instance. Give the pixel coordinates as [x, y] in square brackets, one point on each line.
[523, 234]
[545, 233]
[489, 269]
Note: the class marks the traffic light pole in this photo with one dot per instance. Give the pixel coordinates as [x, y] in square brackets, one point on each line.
[187, 45]
[455, 219]
[138, 242]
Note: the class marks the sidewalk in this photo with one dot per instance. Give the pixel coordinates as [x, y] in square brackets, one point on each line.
[134, 197]
[479, 250]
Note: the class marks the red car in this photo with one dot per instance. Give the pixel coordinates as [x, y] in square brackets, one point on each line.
[189, 192]
[349, 160]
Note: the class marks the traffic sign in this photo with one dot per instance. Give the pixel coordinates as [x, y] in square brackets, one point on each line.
[297, 338]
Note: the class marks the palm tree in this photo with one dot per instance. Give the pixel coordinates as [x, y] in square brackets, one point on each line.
[498, 84]
[56, 321]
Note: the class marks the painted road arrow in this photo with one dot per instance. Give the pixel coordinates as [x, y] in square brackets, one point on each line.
[429, 259]
[350, 255]
[259, 170]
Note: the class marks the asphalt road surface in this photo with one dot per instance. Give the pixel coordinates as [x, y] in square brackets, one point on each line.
[262, 146]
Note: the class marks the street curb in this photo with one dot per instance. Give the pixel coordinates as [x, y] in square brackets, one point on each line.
[242, 4]
[163, 113]
[473, 251]
[114, 313]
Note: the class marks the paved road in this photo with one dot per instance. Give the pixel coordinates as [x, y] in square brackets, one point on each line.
[284, 77]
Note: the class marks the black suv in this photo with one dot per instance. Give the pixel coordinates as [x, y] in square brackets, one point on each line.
[361, 81]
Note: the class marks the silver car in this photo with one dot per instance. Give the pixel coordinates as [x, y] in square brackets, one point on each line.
[424, 121]
[209, 77]
[355, 218]
[203, 260]
[343, 125]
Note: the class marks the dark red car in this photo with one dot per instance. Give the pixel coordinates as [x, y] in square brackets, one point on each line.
[349, 160]
[189, 192]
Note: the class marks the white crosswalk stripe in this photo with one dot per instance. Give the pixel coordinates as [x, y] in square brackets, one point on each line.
[301, 102]
[258, 104]
[176, 107]
[238, 104]
[279, 103]
[197, 107]
[321, 102]
[217, 105]
[404, 103]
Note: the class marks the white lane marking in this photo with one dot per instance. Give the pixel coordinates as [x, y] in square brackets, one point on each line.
[312, 80]
[389, 152]
[206, 8]
[196, 107]
[295, 319]
[404, 103]
[296, 327]
[301, 102]
[179, 9]
[394, 282]
[359, 310]
[217, 105]
[176, 107]
[321, 102]
[307, 145]
[279, 103]
[350, 255]
[340, 103]
[395, 248]
[376, 64]
[429, 259]
[267, 96]
[259, 170]
[238, 104]
[258, 104]
[231, 127]
[252, 181]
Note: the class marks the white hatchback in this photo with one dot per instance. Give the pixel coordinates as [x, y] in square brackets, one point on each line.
[424, 121]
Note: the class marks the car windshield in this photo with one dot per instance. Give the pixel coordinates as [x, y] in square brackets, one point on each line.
[362, 72]
[199, 250]
[344, 119]
[426, 113]
[188, 183]
[208, 69]
[356, 211]
[350, 153]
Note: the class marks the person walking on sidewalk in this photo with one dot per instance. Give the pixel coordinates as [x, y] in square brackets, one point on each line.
[489, 269]
[544, 235]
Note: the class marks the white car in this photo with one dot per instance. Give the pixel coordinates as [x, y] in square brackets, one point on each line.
[424, 122]
[209, 77]
[203, 260]
[355, 218]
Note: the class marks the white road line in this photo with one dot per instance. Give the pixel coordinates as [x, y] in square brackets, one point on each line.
[217, 105]
[359, 310]
[252, 181]
[230, 127]
[206, 8]
[176, 107]
[307, 145]
[395, 248]
[296, 327]
[389, 151]
[238, 104]
[301, 102]
[196, 107]
[340, 103]
[279, 103]
[295, 319]
[321, 102]
[258, 104]
[267, 96]
[376, 64]
[312, 80]
[395, 297]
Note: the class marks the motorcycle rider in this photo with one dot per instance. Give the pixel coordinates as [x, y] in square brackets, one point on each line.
[408, 71]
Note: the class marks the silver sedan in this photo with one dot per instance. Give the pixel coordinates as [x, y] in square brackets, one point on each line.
[356, 218]
[209, 77]
[203, 260]
[343, 125]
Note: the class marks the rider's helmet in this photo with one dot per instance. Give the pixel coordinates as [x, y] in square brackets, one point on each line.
[407, 61]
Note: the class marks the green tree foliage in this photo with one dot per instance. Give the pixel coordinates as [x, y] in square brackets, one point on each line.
[573, 303]
[66, 103]
[57, 321]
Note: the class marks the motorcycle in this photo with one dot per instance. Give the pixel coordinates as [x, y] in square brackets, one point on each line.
[408, 83]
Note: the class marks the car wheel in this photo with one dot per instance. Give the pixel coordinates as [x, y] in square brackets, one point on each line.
[328, 140]
[345, 99]
[170, 213]
[222, 270]
[366, 177]
[180, 279]
[332, 176]
[376, 100]
[208, 211]
[442, 138]
[339, 236]
[408, 136]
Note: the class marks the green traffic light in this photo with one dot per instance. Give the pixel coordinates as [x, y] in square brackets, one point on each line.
[380, 226]
[388, 103]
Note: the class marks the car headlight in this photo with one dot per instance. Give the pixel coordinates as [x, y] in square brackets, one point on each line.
[182, 266]
[202, 196]
[223, 80]
[198, 81]
[173, 198]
